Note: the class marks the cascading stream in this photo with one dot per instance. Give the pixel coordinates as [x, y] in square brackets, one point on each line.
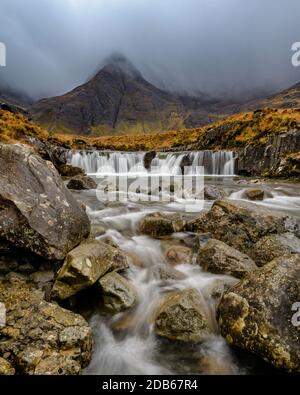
[219, 163]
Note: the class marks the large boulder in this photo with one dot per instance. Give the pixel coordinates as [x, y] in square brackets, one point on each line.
[274, 246]
[41, 337]
[84, 266]
[241, 224]
[81, 183]
[257, 313]
[158, 226]
[38, 213]
[118, 293]
[219, 258]
[181, 317]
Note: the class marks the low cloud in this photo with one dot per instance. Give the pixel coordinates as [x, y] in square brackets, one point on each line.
[219, 47]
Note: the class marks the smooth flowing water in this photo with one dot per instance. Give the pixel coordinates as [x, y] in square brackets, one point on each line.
[125, 343]
[99, 162]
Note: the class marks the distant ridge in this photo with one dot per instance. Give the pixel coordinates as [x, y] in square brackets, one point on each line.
[118, 100]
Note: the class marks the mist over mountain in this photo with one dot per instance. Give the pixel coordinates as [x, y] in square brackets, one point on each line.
[119, 100]
[220, 48]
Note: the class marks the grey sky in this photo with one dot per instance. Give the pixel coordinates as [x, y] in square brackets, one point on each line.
[215, 46]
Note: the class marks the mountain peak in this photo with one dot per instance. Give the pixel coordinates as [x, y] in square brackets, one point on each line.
[118, 63]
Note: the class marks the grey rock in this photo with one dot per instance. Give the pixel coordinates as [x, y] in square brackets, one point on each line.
[38, 213]
[219, 258]
[257, 315]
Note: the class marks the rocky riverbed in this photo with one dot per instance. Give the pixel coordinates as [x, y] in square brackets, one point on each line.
[97, 287]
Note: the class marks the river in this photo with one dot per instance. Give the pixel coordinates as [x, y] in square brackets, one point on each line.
[125, 343]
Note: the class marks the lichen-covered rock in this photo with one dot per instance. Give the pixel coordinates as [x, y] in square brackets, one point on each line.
[256, 314]
[6, 369]
[81, 182]
[41, 337]
[219, 258]
[181, 317]
[83, 266]
[38, 213]
[274, 246]
[241, 224]
[118, 293]
[158, 226]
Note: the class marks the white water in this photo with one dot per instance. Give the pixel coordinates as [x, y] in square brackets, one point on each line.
[105, 163]
[125, 343]
[136, 350]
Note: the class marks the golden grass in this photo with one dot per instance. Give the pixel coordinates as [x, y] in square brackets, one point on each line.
[232, 132]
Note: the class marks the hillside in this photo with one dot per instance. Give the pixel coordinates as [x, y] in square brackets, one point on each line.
[233, 132]
[289, 98]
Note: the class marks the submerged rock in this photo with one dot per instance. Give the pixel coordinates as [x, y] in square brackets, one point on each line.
[219, 258]
[274, 246]
[242, 224]
[166, 272]
[118, 293]
[257, 313]
[41, 337]
[83, 267]
[81, 182]
[178, 255]
[38, 213]
[181, 317]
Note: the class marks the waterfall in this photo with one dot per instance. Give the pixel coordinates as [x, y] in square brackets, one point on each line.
[98, 162]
